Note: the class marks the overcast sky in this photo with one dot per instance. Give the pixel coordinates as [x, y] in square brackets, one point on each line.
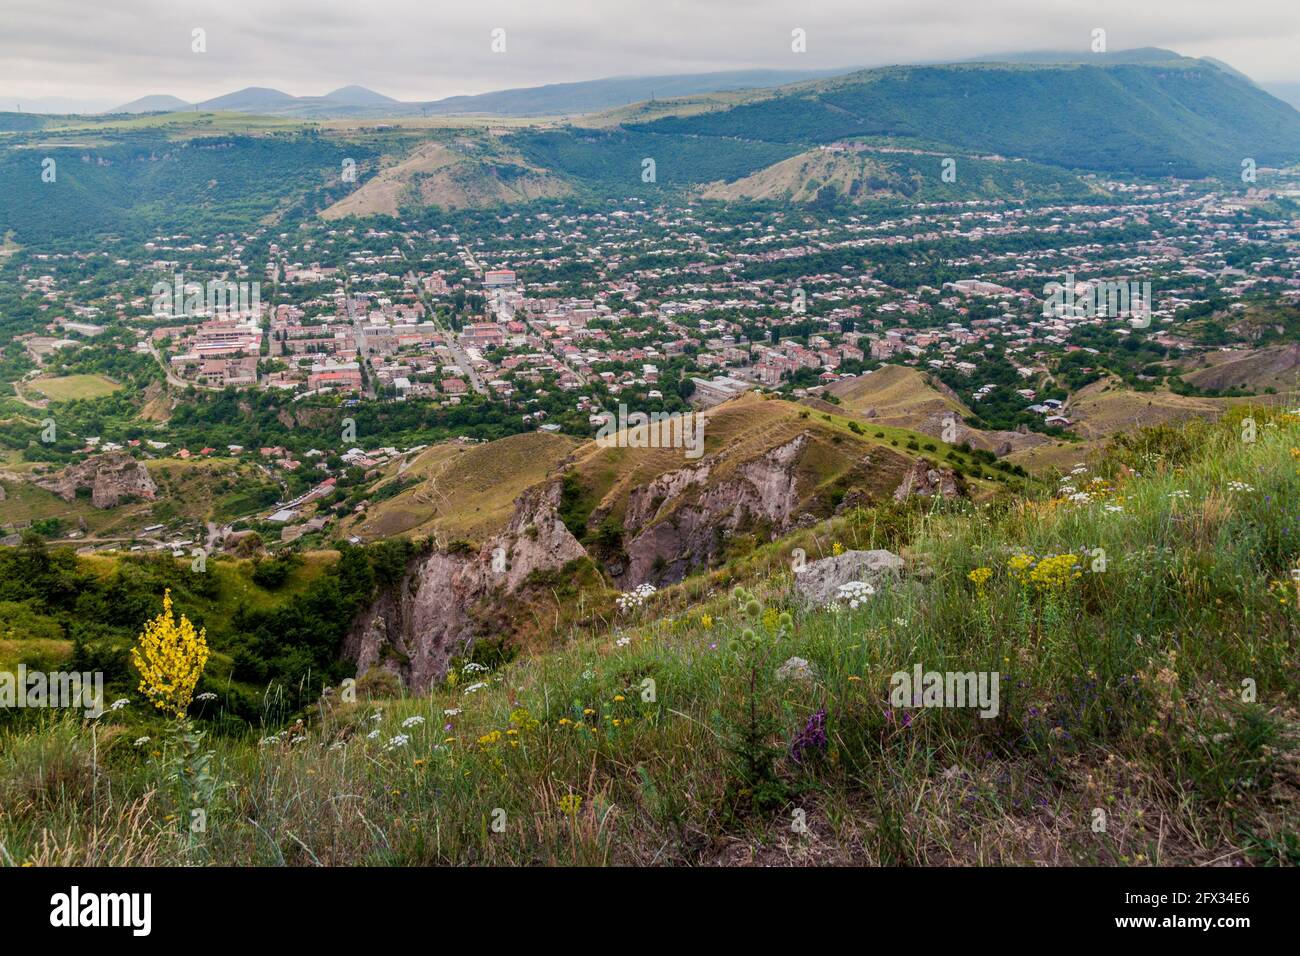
[111, 51]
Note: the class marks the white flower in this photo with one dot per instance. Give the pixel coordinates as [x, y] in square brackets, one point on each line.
[588, 674]
[623, 642]
[1180, 493]
[267, 741]
[401, 740]
[1240, 486]
[377, 715]
[119, 703]
[338, 745]
[415, 721]
[206, 695]
[373, 734]
[635, 598]
[475, 687]
[141, 741]
[900, 622]
[1114, 508]
[451, 712]
[855, 593]
[301, 738]
[473, 668]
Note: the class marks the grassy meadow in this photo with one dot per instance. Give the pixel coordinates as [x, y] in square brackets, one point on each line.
[1141, 617]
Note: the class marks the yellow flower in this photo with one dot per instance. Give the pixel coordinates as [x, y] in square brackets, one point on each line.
[837, 549]
[170, 657]
[570, 803]
[619, 697]
[980, 578]
[1021, 566]
[1055, 572]
[706, 621]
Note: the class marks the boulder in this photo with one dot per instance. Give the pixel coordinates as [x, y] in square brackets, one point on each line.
[797, 669]
[819, 582]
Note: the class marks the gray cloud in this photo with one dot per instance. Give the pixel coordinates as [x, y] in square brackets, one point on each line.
[413, 49]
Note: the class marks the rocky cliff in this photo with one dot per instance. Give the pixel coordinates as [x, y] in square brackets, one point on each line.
[435, 613]
[112, 478]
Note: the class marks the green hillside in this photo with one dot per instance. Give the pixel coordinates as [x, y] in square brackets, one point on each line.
[1144, 635]
[1182, 118]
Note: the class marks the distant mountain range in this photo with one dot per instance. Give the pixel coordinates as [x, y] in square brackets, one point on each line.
[566, 99]
[551, 100]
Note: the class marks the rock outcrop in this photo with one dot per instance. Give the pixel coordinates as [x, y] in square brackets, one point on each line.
[819, 581]
[923, 480]
[666, 537]
[111, 477]
[415, 628]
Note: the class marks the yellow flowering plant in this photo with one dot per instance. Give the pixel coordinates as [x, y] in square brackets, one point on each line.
[980, 578]
[170, 657]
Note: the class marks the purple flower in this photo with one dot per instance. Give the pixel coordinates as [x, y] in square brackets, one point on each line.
[812, 737]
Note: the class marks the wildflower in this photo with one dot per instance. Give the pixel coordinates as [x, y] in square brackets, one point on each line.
[140, 741]
[473, 688]
[1240, 486]
[623, 642]
[451, 712]
[373, 734]
[119, 703]
[1055, 572]
[855, 593]
[706, 622]
[473, 668]
[837, 549]
[414, 721]
[811, 738]
[619, 697]
[1021, 565]
[570, 803]
[170, 657]
[635, 598]
[980, 578]
[206, 695]
[900, 622]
